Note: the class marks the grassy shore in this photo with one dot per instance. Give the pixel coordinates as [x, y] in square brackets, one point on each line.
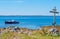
[36, 34]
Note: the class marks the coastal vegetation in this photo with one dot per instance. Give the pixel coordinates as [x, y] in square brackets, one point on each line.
[24, 33]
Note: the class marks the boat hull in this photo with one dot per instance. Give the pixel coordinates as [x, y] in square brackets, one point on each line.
[11, 22]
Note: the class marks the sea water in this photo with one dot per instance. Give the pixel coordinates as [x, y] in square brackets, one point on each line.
[31, 22]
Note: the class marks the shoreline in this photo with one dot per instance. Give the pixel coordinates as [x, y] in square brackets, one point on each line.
[28, 33]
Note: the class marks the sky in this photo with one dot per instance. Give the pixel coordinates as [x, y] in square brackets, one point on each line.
[28, 7]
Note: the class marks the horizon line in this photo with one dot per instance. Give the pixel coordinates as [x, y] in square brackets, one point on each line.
[28, 15]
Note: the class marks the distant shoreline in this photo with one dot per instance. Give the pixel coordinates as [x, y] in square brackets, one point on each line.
[26, 15]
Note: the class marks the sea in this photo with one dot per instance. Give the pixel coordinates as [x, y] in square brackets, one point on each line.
[30, 22]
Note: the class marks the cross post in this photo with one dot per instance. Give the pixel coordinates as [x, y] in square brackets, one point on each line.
[54, 11]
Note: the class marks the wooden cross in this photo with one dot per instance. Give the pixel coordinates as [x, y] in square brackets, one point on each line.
[54, 11]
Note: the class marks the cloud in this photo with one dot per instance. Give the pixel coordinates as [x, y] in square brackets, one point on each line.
[19, 1]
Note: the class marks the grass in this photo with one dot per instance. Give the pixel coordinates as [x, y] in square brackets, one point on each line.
[35, 35]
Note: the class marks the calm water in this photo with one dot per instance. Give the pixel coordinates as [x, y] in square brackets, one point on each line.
[31, 22]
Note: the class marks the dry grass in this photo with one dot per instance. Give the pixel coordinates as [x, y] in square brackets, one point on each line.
[35, 35]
